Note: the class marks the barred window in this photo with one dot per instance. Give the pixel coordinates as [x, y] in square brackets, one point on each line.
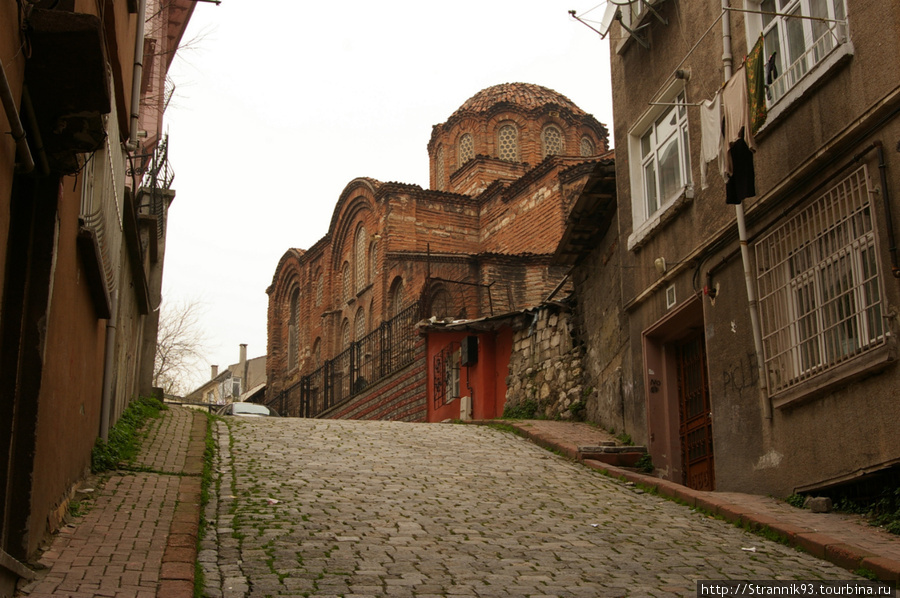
[359, 259]
[446, 368]
[552, 141]
[466, 148]
[346, 282]
[359, 325]
[373, 261]
[294, 330]
[320, 288]
[819, 286]
[587, 147]
[345, 334]
[508, 143]
[439, 168]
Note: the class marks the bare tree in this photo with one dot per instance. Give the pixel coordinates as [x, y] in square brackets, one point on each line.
[180, 348]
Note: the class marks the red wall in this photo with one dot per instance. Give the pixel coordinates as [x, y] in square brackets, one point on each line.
[484, 381]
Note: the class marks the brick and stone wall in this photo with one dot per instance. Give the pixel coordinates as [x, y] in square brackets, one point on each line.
[399, 397]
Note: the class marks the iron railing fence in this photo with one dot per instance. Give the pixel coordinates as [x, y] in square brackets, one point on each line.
[385, 350]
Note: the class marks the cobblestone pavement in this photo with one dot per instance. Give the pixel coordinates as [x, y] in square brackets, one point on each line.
[341, 508]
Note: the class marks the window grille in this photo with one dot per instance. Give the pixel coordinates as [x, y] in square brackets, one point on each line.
[360, 258]
[508, 142]
[819, 286]
[439, 166]
[346, 282]
[293, 330]
[359, 325]
[466, 148]
[446, 366]
[377, 355]
[552, 141]
[587, 147]
[320, 288]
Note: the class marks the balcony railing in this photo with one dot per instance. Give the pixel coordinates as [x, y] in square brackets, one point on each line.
[833, 37]
[385, 350]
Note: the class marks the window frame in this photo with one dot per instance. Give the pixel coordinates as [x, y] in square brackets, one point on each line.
[465, 147]
[822, 302]
[545, 150]
[513, 155]
[820, 54]
[647, 215]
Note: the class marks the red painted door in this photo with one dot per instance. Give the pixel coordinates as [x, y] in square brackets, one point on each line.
[695, 415]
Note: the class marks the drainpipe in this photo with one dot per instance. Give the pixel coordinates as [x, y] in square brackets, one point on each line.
[137, 76]
[12, 115]
[753, 303]
[108, 366]
[885, 198]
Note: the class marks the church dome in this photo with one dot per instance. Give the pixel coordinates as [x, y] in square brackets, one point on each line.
[503, 130]
[524, 95]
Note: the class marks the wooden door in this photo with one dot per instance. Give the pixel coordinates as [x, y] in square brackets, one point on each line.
[695, 416]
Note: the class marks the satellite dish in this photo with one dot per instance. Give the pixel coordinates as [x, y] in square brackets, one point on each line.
[608, 17]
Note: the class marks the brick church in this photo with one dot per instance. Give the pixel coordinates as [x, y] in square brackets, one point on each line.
[505, 169]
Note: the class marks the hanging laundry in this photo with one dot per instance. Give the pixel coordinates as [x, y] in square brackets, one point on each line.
[756, 86]
[740, 180]
[771, 69]
[736, 112]
[710, 136]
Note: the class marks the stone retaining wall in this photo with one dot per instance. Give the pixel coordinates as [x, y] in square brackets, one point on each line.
[546, 368]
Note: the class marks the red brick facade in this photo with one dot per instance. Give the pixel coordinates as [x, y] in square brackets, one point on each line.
[478, 243]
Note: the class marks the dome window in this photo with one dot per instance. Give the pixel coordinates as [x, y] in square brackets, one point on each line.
[508, 143]
[552, 141]
[466, 148]
[587, 147]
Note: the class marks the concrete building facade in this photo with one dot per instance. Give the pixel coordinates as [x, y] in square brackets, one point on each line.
[84, 198]
[769, 370]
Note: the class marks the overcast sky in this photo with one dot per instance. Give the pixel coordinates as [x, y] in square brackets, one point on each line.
[279, 104]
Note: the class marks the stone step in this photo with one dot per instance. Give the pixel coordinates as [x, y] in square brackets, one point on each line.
[620, 456]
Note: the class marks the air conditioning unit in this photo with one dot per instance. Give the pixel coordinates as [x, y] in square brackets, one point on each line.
[465, 408]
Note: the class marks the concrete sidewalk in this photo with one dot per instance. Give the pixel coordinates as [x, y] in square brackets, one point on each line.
[844, 540]
[139, 537]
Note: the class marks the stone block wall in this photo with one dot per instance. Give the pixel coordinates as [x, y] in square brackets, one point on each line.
[546, 368]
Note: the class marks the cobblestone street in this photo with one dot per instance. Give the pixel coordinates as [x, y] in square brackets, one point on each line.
[348, 508]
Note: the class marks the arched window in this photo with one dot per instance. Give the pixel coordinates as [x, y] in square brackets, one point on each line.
[439, 178]
[359, 325]
[552, 141]
[441, 303]
[396, 297]
[359, 258]
[345, 335]
[317, 353]
[466, 148]
[508, 143]
[320, 287]
[294, 330]
[373, 260]
[346, 282]
[587, 147]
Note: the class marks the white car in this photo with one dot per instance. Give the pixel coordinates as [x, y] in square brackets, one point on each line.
[247, 410]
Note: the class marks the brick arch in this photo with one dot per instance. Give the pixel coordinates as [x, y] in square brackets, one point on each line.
[493, 125]
[290, 265]
[440, 298]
